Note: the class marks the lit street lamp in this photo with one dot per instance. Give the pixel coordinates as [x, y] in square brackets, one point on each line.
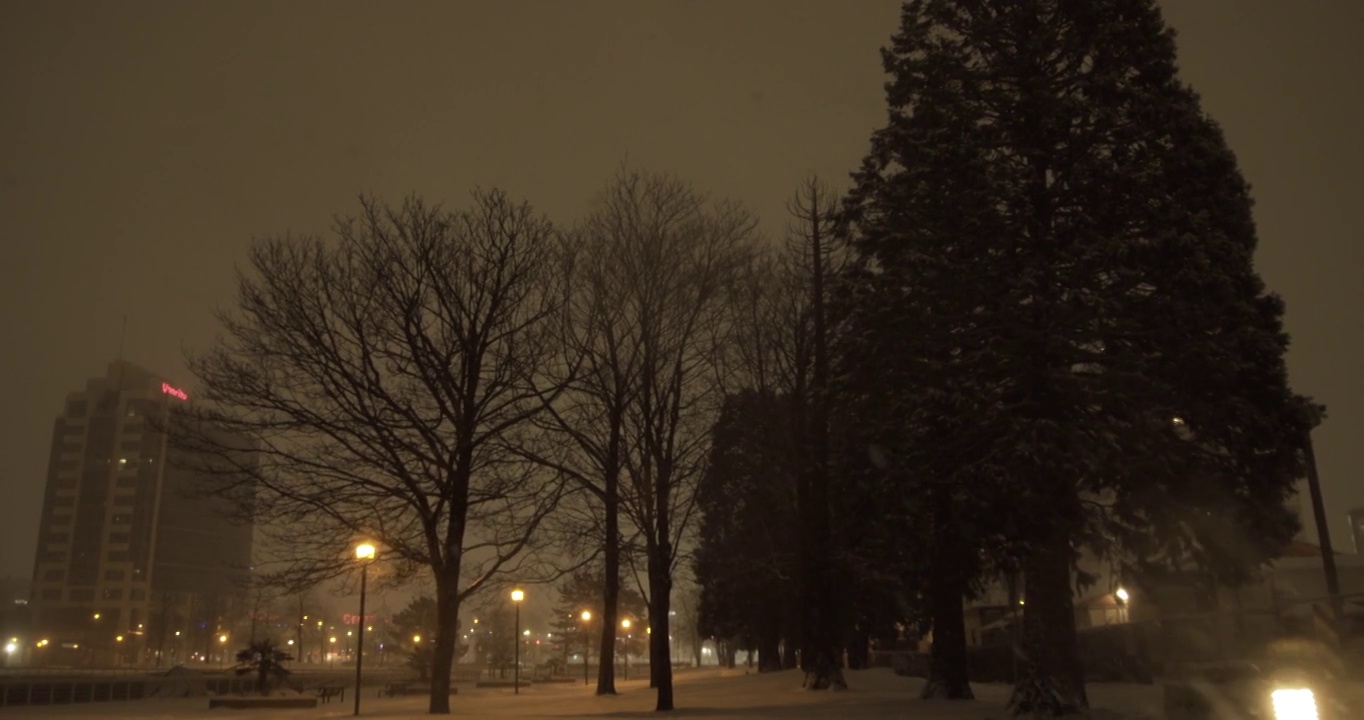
[626, 625]
[517, 596]
[364, 553]
[1122, 597]
[587, 642]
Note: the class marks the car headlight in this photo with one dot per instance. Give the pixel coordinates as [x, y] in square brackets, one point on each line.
[1294, 704]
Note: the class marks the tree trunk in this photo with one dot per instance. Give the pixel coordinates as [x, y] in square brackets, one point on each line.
[447, 636]
[606, 658]
[1051, 679]
[769, 653]
[948, 674]
[660, 601]
[859, 648]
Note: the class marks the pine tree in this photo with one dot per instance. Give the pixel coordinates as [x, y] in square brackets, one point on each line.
[1058, 244]
[745, 559]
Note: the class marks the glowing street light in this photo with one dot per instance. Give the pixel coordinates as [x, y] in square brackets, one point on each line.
[626, 654]
[517, 596]
[364, 553]
[587, 642]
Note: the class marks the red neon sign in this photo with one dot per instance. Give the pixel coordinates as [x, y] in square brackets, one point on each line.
[173, 391]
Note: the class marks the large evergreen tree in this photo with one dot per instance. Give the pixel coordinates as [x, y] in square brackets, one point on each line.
[1058, 246]
[745, 559]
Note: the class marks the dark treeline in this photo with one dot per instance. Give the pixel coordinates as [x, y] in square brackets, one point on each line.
[1031, 327]
[1045, 337]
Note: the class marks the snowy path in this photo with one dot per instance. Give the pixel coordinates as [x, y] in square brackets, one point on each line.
[701, 694]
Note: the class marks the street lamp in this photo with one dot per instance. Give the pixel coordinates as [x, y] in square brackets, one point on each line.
[364, 553]
[517, 596]
[626, 625]
[1122, 597]
[587, 642]
[222, 650]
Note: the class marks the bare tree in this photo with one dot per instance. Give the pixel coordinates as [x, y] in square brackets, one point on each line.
[781, 346]
[814, 211]
[598, 367]
[678, 256]
[385, 381]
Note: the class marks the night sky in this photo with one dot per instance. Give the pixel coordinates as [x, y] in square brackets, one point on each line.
[147, 143]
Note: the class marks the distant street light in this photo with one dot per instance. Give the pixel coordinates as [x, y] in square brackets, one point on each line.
[517, 596]
[626, 655]
[587, 642]
[364, 553]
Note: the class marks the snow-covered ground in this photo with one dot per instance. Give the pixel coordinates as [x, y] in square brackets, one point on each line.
[715, 694]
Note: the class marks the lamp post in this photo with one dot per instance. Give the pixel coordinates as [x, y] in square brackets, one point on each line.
[1122, 596]
[626, 655]
[364, 553]
[517, 596]
[587, 642]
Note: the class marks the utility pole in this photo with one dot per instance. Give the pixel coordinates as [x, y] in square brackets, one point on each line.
[1328, 556]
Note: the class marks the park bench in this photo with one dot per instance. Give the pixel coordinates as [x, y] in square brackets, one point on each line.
[399, 688]
[326, 692]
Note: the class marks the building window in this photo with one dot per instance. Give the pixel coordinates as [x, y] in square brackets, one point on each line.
[82, 594]
[57, 538]
[113, 575]
[123, 499]
[52, 557]
[64, 483]
[120, 537]
[77, 408]
[52, 594]
[63, 501]
[121, 520]
[137, 594]
[112, 594]
[125, 481]
[60, 520]
[132, 444]
[54, 575]
[68, 464]
[119, 556]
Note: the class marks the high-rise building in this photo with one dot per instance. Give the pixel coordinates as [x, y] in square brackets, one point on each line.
[132, 551]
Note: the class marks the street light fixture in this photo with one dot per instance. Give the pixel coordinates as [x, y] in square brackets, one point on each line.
[364, 553]
[517, 596]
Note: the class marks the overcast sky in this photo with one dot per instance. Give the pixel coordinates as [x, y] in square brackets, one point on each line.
[146, 143]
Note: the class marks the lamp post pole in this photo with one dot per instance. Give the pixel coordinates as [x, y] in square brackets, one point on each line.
[517, 596]
[625, 654]
[364, 553]
[587, 643]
